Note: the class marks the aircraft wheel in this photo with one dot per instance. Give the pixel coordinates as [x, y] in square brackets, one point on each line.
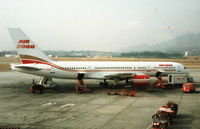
[101, 83]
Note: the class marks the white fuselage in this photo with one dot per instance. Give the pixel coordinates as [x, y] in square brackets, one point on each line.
[34, 61]
[98, 69]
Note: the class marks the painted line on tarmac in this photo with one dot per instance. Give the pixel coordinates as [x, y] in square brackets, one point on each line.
[149, 126]
[47, 104]
[68, 105]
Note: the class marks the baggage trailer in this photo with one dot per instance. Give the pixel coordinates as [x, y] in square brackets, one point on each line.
[123, 92]
[81, 87]
[170, 108]
[173, 106]
[164, 116]
[160, 121]
[164, 110]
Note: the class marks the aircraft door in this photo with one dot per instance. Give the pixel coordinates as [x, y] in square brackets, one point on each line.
[80, 76]
[149, 70]
[178, 68]
[90, 68]
[52, 71]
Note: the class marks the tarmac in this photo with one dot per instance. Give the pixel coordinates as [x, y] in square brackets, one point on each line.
[62, 108]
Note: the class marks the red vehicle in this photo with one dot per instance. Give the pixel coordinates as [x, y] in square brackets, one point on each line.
[82, 90]
[160, 121]
[167, 111]
[141, 80]
[164, 115]
[123, 92]
[81, 87]
[173, 106]
[188, 88]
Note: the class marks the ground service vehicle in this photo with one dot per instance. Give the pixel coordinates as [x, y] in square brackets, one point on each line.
[168, 111]
[160, 121]
[173, 80]
[123, 92]
[176, 79]
[164, 115]
[173, 106]
[81, 87]
[188, 88]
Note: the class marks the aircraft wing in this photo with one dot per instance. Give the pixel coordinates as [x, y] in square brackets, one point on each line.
[120, 76]
[160, 70]
[115, 75]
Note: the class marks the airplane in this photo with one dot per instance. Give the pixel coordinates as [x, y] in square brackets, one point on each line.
[35, 62]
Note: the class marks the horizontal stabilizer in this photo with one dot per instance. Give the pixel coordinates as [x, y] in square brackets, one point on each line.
[26, 67]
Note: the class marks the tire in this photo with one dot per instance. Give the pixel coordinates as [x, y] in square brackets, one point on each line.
[101, 84]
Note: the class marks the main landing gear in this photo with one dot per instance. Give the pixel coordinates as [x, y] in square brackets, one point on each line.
[80, 87]
[104, 84]
[113, 84]
[39, 87]
[159, 82]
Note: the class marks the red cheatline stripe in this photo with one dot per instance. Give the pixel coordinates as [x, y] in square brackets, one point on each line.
[32, 62]
[40, 62]
[61, 68]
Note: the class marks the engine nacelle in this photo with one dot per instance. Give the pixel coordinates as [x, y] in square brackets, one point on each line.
[140, 80]
[143, 80]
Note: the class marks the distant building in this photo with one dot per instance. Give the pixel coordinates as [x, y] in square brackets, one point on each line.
[11, 56]
[50, 55]
[186, 53]
[78, 54]
[97, 57]
[2, 53]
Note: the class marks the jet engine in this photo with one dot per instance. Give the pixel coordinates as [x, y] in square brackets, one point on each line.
[140, 80]
[143, 80]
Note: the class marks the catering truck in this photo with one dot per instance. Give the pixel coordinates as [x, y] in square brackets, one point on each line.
[177, 79]
[173, 80]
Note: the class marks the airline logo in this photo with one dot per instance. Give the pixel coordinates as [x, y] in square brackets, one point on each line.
[165, 65]
[24, 41]
[179, 79]
[24, 44]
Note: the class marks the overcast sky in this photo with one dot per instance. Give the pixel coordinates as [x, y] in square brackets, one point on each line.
[108, 25]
